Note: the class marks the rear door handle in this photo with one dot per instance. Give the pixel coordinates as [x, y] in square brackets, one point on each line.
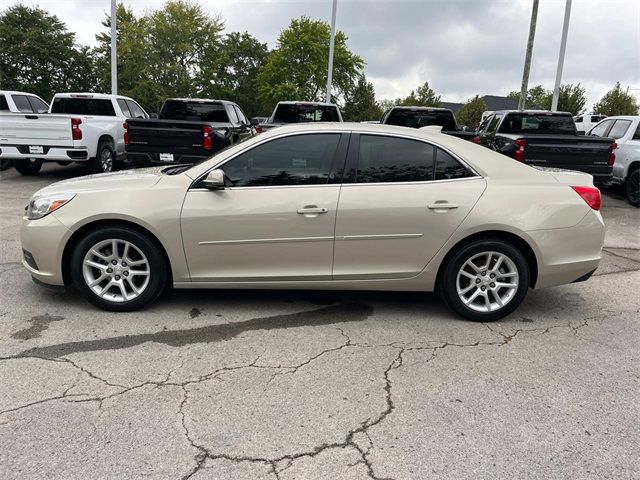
[312, 209]
[441, 205]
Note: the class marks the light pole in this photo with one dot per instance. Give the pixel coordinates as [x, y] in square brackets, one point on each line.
[527, 57]
[331, 44]
[563, 48]
[114, 54]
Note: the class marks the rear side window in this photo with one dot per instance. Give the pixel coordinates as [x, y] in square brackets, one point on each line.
[4, 106]
[38, 105]
[294, 160]
[22, 103]
[448, 168]
[136, 111]
[541, 123]
[193, 111]
[418, 118]
[83, 106]
[619, 129]
[124, 107]
[391, 159]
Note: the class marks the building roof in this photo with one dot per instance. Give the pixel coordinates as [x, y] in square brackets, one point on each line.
[493, 102]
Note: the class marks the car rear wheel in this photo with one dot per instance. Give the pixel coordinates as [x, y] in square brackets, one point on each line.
[485, 280]
[118, 269]
[633, 188]
[5, 164]
[104, 160]
[28, 166]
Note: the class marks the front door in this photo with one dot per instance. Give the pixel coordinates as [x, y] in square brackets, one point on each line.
[276, 221]
[404, 200]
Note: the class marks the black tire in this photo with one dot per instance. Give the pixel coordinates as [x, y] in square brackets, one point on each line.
[105, 159]
[28, 166]
[632, 188]
[5, 164]
[63, 164]
[448, 281]
[156, 264]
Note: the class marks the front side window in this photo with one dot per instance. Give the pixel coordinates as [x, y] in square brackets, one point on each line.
[493, 125]
[4, 106]
[83, 106]
[392, 159]
[600, 129]
[241, 116]
[293, 160]
[123, 106]
[619, 129]
[233, 116]
[22, 103]
[636, 135]
[38, 105]
[136, 111]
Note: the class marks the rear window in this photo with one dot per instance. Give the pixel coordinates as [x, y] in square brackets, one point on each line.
[193, 111]
[83, 106]
[421, 118]
[541, 123]
[299, 113]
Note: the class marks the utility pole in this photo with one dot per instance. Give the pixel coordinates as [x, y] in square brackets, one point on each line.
[563, 48]
[527, 58]
[114, 53]
[331, 43]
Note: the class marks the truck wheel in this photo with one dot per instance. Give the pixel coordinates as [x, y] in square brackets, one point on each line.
[5, 164]
[633, 188]
[104, 159]
[28, 166]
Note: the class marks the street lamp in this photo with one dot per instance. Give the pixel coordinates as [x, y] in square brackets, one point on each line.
[331, 44]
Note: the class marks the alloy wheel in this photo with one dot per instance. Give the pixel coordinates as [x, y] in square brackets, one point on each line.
[106, 160]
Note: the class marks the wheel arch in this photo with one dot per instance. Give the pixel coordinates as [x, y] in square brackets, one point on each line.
[633, 166]
[82, 231]
[511, 238]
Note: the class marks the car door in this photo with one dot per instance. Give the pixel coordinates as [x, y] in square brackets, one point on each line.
[276, 220]
[396, 210]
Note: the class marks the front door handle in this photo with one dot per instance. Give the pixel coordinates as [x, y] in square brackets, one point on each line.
[312, 210]
[442, 205]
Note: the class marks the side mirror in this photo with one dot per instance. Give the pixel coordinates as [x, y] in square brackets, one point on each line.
[215, 180]
[254, 121]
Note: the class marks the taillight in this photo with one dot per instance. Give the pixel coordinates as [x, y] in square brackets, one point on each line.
[612, 154]
[258, 129]
[207, 141]
[76, 133]
[521, 145]
[476, 140]
[591, 195]
[125, 125]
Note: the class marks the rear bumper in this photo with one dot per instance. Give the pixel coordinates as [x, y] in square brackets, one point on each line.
[50, 153]
[568, 255]
[153, 158]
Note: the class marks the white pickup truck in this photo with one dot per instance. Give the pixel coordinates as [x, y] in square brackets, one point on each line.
[80, 127]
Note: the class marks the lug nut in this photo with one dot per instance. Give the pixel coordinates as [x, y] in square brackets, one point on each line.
[484, 273]
[126, 273]
[493, 275]
[478, 280]
[109, 270]
[483, 288]
[114, 262]
[492, 285]
[124, 264]
[117, 277]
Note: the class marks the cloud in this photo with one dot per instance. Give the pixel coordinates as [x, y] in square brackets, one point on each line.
[462, 47]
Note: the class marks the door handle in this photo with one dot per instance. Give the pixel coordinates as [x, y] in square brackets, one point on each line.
[442, 205]
[312, 209]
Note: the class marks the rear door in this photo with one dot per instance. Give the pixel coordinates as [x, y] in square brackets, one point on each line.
[400, 202]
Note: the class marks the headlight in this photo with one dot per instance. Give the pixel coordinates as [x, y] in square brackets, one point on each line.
[41, 206]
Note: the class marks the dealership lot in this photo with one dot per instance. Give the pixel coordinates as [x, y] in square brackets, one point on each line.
[311, 385]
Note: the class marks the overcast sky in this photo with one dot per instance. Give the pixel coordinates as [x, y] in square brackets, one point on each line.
[462, 47]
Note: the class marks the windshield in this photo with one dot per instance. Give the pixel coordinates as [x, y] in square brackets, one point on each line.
[422, 118]
[193, 111]
[543, 123]
[298, 113]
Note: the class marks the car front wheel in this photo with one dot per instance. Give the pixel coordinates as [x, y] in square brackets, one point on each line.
[485, 280]
[118, 269]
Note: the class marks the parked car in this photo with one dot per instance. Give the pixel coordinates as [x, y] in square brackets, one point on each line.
[399, 209]
[586, 121]
[187, 130]
[301, 112]
[17, 102]
[80, 127]
[625, 130]
[418, 117]
[547, 139]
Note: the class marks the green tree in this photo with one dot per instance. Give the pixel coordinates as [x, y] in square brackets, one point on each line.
[471, 112]
[572, 98]
[616, 102]
[361, 103]
[423, 96]
[297, 68]
[538, 98]
[38, 54]
[231, 71]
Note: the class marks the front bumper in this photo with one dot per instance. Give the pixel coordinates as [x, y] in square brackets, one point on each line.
[43, 242]
[567, 255]
[53, 154]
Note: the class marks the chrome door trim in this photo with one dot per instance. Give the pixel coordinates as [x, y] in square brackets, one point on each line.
[266, 240]
[390, 236]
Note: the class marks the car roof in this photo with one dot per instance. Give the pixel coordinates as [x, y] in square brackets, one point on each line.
[199, 100]
[17, 92]
[302, 102]
[418, 107]
[99, 96]
[549, 112]
[620, 117]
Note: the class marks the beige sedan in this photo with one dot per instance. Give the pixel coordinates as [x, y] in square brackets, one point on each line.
[333, 206]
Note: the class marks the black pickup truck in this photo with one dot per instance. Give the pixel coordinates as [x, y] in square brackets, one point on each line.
[547, 139]
[418, 117]
[187, 130]
[301, 112]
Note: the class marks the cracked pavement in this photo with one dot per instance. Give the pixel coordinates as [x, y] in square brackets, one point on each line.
[319, 385]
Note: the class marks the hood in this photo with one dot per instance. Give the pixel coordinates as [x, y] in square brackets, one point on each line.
[114, 181]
